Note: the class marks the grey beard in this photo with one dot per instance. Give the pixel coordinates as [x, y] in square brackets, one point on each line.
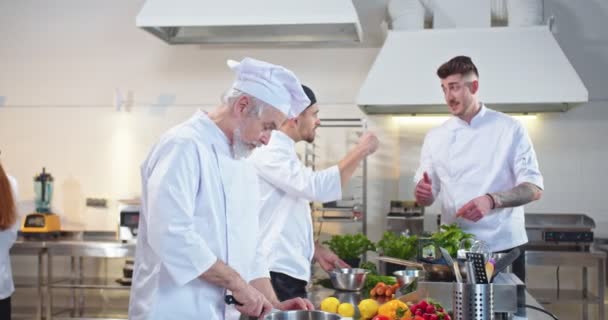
[240, 148]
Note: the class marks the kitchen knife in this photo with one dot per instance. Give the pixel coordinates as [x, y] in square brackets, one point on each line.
[506, 261]
[230, 299]
[451, 263]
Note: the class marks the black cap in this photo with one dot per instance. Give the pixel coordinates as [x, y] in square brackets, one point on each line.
[310, 95]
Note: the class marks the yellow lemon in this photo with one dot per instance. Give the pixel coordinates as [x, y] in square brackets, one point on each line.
[346, 310]
[368, 308]
[330, 304]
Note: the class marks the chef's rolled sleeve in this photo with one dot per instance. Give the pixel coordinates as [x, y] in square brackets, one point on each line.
[173, 184]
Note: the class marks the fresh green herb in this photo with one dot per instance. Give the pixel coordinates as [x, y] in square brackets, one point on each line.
[401, 247]
[350, 246]
[449, 237]
[370, 266]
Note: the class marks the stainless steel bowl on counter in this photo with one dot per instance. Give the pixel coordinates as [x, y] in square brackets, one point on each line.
[348, 279]
[302, 315]
[407, 276]
[296, 315]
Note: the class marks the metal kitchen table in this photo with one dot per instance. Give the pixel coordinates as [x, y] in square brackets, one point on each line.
[38, 249]
[591, 259]
[76, 245]
[79, 250]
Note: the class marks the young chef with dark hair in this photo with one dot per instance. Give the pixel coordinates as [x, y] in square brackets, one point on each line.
[480, 163]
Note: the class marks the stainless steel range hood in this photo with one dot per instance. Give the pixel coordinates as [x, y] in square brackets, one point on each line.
[251, 21]
[522, 70]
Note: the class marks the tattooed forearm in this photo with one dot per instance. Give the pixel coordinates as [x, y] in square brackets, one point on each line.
[518, 196]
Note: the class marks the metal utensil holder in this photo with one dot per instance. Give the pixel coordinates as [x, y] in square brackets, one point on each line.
[473, 301]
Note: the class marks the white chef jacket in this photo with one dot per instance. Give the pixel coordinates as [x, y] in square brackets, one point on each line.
[286, 189]
[492, 154]
[198, 205]
[7, 239]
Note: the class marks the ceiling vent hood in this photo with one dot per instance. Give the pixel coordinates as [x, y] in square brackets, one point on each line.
[251, 22]
[521, 70]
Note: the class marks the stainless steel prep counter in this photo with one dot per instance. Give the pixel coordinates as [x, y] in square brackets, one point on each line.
[317, 293]
[79, 245]
[76, 246]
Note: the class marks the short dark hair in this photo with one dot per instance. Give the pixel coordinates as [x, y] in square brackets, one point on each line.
[458, 65]
[310, 94]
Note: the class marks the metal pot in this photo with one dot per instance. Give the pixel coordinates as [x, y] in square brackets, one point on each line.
[348, 279]
[298, 315]
[407, 276]
[433, 272]
[302, 315]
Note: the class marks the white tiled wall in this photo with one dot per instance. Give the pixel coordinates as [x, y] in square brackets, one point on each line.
[64, 60]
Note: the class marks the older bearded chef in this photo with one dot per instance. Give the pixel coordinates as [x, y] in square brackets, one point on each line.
[198, 229]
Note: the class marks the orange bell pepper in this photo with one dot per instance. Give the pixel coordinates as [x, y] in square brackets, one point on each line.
[407, 316]
[390, 309]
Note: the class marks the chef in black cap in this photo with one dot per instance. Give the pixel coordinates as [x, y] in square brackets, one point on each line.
[287, 246]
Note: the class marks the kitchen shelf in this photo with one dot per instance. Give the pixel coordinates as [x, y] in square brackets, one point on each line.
[358, 182]
[340, 220]
[585, 261]
[339, 209]
[23, 313]
[92, 314]
[565, 296]
[77, 246]
[27, 282]
[405, 218]
[89, 283]
[78, 284]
